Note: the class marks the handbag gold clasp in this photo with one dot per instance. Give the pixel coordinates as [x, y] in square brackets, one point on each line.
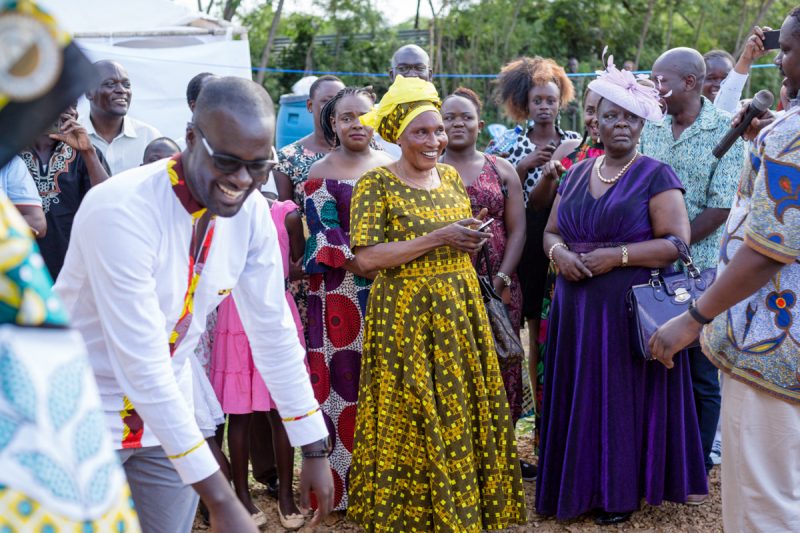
[682, 295]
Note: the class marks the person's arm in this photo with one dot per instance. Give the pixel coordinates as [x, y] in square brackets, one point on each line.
[74, 134]
[297, 244]
[535, 159]
[283, 184]
[720, 193]
[34, 217]
[707, 222]
[757, 261]
[368, 221]
[22, 192]
[514, 218]
[544, 193]
[747, 272]
[667, 217]
[119, 254]
[568, 263]
[277, 352]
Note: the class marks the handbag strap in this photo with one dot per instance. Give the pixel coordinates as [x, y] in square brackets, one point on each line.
[485, 258]
[684, 254]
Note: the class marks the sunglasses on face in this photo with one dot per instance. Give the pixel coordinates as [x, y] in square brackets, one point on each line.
[228, 164]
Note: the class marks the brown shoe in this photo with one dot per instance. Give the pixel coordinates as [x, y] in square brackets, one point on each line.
[696, 499]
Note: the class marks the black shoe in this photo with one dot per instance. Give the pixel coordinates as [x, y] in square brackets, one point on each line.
[529, 471]
[609, 519]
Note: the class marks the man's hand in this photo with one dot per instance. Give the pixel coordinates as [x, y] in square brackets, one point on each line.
[73, 134]
[316, 476]
[673, 337]
[760, 122]
[226, 511]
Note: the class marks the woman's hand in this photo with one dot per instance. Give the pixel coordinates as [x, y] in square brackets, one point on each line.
[553, 170]
[570, 265]
[501, 290]
[539, 157]
[602, 260]
[458, 235]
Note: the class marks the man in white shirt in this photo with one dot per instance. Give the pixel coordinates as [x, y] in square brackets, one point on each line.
[163, 244]
[122, 139]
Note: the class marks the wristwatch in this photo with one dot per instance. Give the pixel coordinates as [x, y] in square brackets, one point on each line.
[624, 255]
[320, 448]
[696, 315]
[505, 277]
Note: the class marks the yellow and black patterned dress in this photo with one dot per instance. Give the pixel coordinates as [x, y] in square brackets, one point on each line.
[434, 445]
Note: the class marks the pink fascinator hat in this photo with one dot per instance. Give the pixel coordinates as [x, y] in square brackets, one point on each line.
[627, 91]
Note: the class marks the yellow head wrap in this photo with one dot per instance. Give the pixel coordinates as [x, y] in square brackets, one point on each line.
[405, 100]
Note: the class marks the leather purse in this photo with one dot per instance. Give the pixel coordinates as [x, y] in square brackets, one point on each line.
[506, 342]
[665, 296]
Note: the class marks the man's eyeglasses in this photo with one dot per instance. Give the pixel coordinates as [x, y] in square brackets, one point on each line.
[405, 68]
[228, 164]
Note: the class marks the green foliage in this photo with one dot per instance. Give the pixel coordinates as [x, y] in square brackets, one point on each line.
[480, 36]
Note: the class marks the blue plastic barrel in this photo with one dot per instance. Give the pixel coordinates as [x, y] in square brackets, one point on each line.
[294, 120]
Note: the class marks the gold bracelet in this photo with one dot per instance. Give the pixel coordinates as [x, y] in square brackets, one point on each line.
[553, 248]
[624, 255]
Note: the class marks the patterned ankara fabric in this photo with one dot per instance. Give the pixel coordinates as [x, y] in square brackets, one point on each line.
[757, 341]
[337, 301]
[487, 191]
[434, 446]
[58, 469]
[690, 157]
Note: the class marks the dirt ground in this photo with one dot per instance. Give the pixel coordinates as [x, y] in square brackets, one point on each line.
[668, 518]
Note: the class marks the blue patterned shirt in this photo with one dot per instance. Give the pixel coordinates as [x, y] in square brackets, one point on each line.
[690, 157]
[757, 341]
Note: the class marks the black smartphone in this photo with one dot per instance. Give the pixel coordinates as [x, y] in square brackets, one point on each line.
[485, 225]
[771, 39]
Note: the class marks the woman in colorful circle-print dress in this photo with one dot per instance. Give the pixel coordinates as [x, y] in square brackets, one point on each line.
[337, 296]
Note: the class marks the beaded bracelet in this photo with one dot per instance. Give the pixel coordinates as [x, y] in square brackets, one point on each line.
[553, 249]
[296, 418]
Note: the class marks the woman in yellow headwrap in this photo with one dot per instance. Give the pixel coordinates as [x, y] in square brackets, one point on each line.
[434, 446]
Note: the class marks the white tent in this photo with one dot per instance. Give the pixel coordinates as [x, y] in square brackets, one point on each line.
[161, 44]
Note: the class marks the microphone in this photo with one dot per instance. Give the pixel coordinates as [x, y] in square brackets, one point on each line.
[760, 103]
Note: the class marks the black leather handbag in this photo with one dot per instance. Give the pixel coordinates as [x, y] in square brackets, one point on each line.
[506, 342]
[665, 296]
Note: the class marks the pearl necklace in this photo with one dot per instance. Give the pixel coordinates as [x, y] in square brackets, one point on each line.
[599, 163]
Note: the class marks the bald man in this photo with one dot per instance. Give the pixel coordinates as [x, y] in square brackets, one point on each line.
[411, 61]
[161, 247]
[120, 138]
[684, 140]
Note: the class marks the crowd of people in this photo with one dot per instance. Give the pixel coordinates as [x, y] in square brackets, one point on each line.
[345, 315]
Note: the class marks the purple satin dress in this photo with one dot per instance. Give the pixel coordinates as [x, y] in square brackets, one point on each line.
[616, 428]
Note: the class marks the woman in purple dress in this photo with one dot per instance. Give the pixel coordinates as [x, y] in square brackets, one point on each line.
[616, 427]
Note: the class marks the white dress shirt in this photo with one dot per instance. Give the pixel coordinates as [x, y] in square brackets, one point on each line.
[123, 283]
[126, 150]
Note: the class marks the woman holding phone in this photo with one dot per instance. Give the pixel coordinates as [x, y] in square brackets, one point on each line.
[434, 447]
